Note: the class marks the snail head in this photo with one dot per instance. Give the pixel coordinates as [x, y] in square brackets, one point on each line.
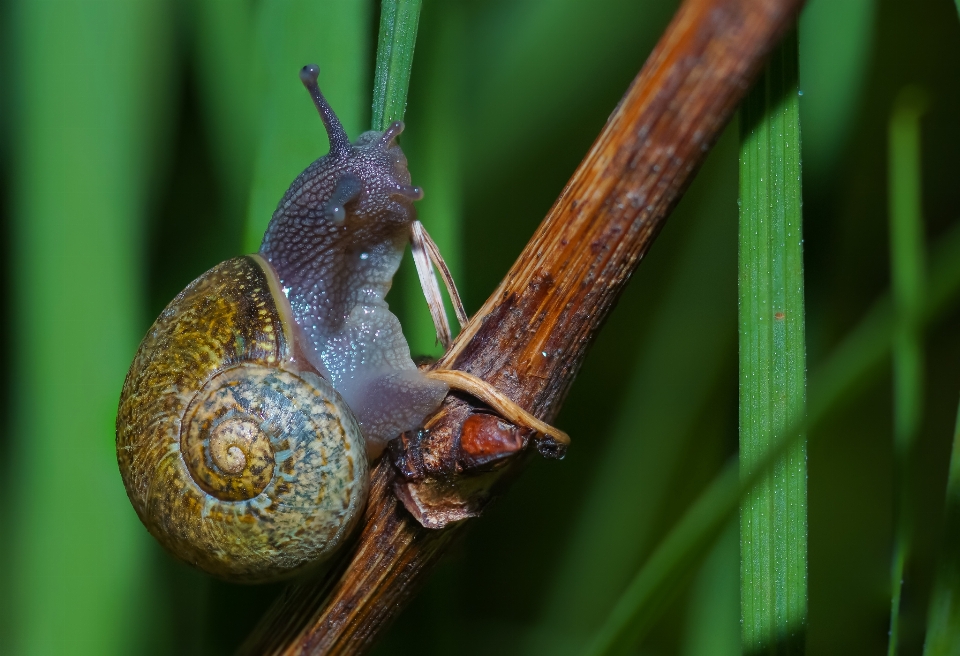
[376, 168]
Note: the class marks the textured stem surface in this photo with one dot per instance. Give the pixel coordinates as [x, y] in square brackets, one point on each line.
[530, 338]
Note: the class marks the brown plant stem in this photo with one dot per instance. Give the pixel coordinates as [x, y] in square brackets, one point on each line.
[530, 337]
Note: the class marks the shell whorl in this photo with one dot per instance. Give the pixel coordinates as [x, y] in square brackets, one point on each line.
[236, 457]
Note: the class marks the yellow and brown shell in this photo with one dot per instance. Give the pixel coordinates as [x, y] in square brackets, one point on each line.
[237, 458]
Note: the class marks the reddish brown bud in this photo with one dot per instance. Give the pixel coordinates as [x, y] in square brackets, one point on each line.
[486, 439]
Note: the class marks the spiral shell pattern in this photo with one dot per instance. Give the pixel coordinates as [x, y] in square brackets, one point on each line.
[236, 460]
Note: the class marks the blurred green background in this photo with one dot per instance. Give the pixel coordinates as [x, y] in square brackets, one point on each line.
[143, 142]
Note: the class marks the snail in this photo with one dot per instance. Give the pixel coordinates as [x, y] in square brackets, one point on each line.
[260, 395]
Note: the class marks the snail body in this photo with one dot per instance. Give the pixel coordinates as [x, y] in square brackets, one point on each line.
[256, 399]
[335, 242]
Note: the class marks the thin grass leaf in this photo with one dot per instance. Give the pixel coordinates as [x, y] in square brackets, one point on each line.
[907, 274]
[289, 35]
[773, 517]
[842, 373]
[943, 615]
[93, 92]
[398, 37]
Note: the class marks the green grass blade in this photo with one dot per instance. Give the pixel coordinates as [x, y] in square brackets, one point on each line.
[432, 143]
[773, 517]
[93, 92]
[943, 275]
[907, 264]
[684, 547]
[836, 46]
[712, 627]
[907, 274]
[657, 581]
[398, 36]
[840, 375]
[547, 55]
[866, 346]
[943, 615]
[332, 34]
[224, 38]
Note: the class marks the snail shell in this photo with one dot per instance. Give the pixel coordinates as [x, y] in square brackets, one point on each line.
[237, 456]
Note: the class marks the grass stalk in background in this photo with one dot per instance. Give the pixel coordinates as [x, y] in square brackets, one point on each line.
[92, 87]
[432, 144]
[224, 38]
[907, 282]
[943, 614]
[657, 582]
[332, 34]
[712, 626]
[834, 381]
[836, 46]
[773, 517]
[685, 350]
[395, 44]
[548, 55]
